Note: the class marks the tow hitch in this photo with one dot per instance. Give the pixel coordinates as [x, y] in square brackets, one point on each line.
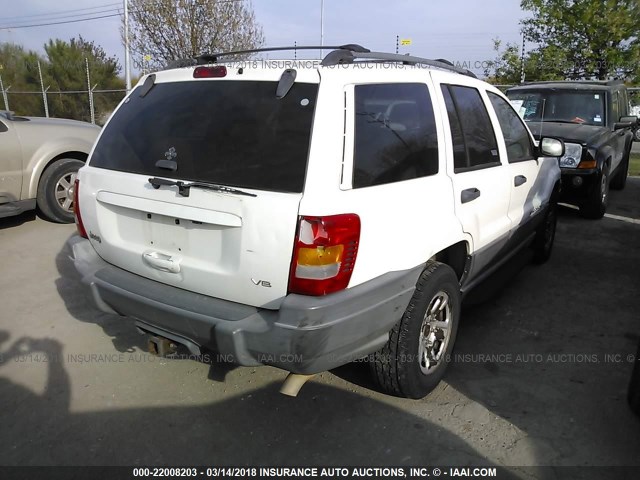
[161, 346]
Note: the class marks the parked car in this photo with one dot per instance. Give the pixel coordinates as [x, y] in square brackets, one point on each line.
[592, 117]
[307, 217]
[39, 159]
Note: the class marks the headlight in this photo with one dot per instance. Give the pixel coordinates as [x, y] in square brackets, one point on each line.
[572, 155]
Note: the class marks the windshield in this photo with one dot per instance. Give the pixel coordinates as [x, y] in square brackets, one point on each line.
[552, 105]
[235, 133]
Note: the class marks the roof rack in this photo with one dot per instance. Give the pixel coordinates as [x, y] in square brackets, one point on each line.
[213, 57]
[341, 54]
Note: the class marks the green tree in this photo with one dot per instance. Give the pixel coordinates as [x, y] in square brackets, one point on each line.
[539, 64]
[584, 38]
[66, 71]
[505, 68]
[63, 70]
[18, 73]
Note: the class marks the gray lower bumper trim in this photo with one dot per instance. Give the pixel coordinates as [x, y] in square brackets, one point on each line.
[306, 335]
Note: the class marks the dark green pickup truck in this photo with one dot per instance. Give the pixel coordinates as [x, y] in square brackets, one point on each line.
[592, 117]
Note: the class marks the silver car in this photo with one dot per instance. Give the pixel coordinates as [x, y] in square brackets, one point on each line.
[39, 158]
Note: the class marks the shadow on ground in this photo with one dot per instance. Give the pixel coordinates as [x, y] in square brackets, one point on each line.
[328, 427]
[10, 222]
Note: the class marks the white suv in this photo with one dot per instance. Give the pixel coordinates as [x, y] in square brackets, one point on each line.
[304, 216]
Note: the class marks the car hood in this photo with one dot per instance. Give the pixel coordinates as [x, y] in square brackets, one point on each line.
[60, 122]
[569, 132]
[55, 133]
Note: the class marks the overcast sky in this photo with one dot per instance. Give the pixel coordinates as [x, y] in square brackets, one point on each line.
[459, 30]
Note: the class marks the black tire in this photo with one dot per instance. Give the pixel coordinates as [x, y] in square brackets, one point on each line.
[596, 205]
[620, 180]
[634, 385]
[53, 183]
[543, 242]
[398, 367]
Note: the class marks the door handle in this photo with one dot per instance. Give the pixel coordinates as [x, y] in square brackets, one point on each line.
[519, 180]
[469, 195]
[163, 262]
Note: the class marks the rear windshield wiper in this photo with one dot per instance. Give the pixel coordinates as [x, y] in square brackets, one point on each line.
[184, 188]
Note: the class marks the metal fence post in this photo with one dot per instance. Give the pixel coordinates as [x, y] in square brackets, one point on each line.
[92, 104]
[44, 93]
[4, 94]
[90, 91]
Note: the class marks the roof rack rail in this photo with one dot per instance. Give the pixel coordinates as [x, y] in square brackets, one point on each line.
[213, 57]
[341, 54]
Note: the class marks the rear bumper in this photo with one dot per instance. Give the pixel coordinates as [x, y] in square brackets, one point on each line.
[306, 335]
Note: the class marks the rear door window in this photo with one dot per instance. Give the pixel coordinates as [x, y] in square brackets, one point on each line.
[395, 134]
[234, 133]
[471, 129]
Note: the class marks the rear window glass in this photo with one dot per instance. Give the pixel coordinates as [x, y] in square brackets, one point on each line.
[234, 133]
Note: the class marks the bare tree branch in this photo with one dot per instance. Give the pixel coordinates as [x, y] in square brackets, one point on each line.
[165, 30]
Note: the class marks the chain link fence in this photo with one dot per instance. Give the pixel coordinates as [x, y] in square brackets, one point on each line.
[92, 104]
[95, 106]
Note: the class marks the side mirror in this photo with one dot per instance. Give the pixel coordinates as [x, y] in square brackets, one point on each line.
[550, 147]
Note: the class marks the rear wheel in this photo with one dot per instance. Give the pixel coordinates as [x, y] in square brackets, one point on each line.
[620, 180]
[596, 205]
[55, 190]
[415, 358]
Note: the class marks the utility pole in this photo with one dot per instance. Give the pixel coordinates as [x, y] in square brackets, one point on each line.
[397, 44]
[522, 75]
[127, 67]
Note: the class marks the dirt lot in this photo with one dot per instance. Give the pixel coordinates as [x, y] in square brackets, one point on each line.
[539, 375]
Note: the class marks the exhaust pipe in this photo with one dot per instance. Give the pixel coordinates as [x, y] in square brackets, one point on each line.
[293, 383]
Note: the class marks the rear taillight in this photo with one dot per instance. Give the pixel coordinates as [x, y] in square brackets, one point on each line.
[218, 71]
[76, 209]
[324, 254]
